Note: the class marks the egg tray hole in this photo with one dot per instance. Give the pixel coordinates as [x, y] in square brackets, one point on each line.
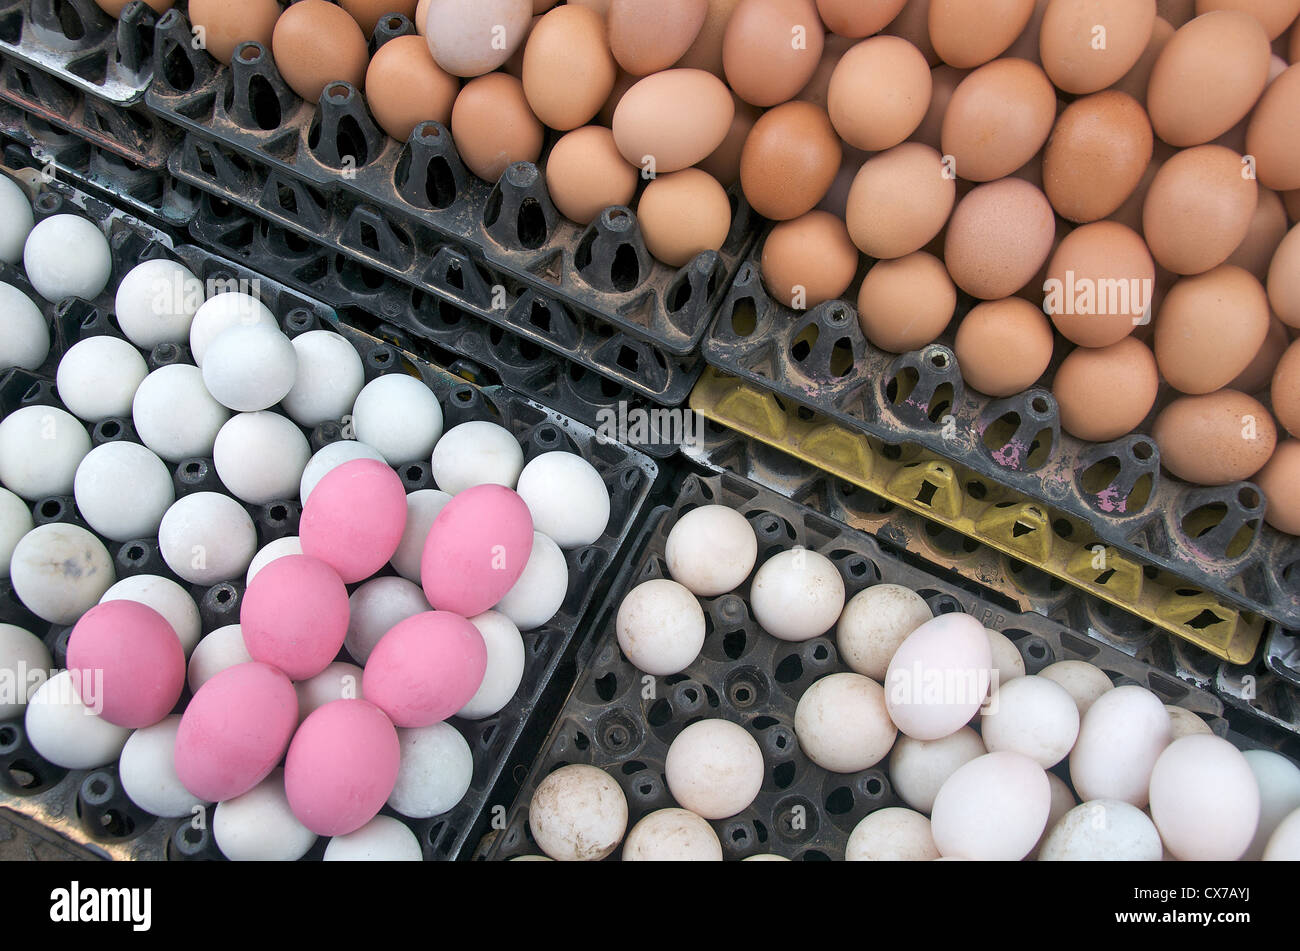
[751, 678]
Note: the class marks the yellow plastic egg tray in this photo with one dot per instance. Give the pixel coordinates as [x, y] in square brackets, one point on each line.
[940, 489]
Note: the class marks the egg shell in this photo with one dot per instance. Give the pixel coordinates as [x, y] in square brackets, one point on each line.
[1279, 793]
[476, 453]
[1267, 228]
[966, 34]
[797, 595]
[1007, 662]
[316, 43]
[259, 825]
[338, 681]
[1204, 799]
[1000, 234]
[250, 368]
[63, 729]
[470, 39]
[1197, 350]
[1214, 439]
[294, 615]
[714, 768]
[40, 450]
[506, 658]
[875, 623]
[15, 522]
[1184, 722]
[60, 571]
[1102, 830]
[122, 490]
[1062, 802]
[341, 766]
[225, 25]
[382, 839]
[206, 538]
[1273, 136]
[222, 649]
[789, 160]
[842, 724]
[540, 591]
[1285, 390]
[21, 653]
[1259, 372]
[234, 731]
[919, 768]
[494, 127]
[1284, 279]
[97, 377]
[404, 87]
[175, 415]
[939, 677]
[568, 69]
[1198, 209]
[1087, 45]
[375, 608]
[1003, 346]
[130, 662]
[711, 550]
[434, 773]
[16, 209]
[852, 19]
[578, 813]
[682, 215]
[655, 131]
[706, 52]
[398, 415]
[1284, 846]
[147, 771]
[67, 256]
[660, 627]
[1033, 716]
[24, 334]
[672, 835]
[906, 303]
[994, 808]
[1104, 393]
[1278, 480]
[476, 550]
[879, 93]
[426, 668]
[998, 118]
[808, 260]
[585, 174]
[646, 37]
[1100, 284]
[891, 835]
[368, 13]
[221, 312]
[354, 519]
[1120, 737]
[259, 457]
[566, 497]
[422, 507]
[1099, 148]
[771, 49]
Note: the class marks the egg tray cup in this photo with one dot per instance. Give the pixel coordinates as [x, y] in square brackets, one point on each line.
[623, 721]
[424, 324]
[414, 211]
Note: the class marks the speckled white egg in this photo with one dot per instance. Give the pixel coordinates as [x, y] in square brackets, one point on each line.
[382, 839]
[122, 490]
[422, 507]
[714, 768]
[1034, 716]
[250, 368]
[1120, 737]
[24, 334]
[578, 813]
[672, 835]
[711, 550]
[156, 303]
[207, 537]
[221, 312]
[1204, 799]
[399, 416]
[1102, 830]
[175, 415]
[15, 522]
[16, 220]
[994, 808]
[892, 835]
[223, 648]
[505, 666]
[476, 453]
[842, 723]
[540, 591]
[288, 545]
[148, 771]
[259, 826]
[260, 457]
[376, 607]
[97, 377]
[60, 572]
[434, 772]
[338, 681]
[330, 457]
[1083, 681]
[67, 732]
[40, 449]
[25, 662]
[330, 375]
[167, 598]
[660, 627]
[67, 256]
[875, 623]
[567, 498]
[919, 768]
[1279, 795]
[939, 676]
[797, 595]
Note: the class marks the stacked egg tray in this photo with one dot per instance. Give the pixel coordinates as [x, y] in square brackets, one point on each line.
[1198, 561]
[411, 210]
[89, 807]
[614, 720]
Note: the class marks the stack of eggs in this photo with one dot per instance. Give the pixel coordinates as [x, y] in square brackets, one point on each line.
[426, 593]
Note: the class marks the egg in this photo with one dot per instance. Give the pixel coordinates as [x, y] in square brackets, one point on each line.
[147, 771]
[129, 662]
[706, 52]
[470, 39]
[330, 375]
[63, 729]
[1267, 228]
[1034, 716]
[382, 839]
[476, 453]
[338, 681]
[1083, 681]
[434, 772]
[1273, 136]
[316, 43]
[404, 87]
[899, 201]
[1087, 45]
[494, 127]
[998, 118]
[354, 518]
[919, 768]
[1198, 352]
[578, 814]
[966, 35]
[506, 657]
[225, 25]
[842, 724]
[1120, 737]
[993, 808]
[672, 835]
[797, 595]
[1284, 846]
[15, 522]
[891, 835]
[123, 490]
[646, 37]
[21, 654]
[567, 498]
[1204, 799]
[250, 368]
[422, 507]
[659, 133]
[287, 545]
[399, 416]
[1007, 662]
[375, 608]
[1000, 235]
[330, 457]
[711, 550]
[1098, 150]
[1137, 80]
[1185, 723]
[1279, 795]
[294, 616]
[585, 174]
[683, 214]
[723, 163]
[1278, 480]
[60, 571]
[1208, 76]
[1285, 390]
[568, 69]
[222, 649]
[1102, 830]
[1100, 284]
[540, 591]
[1003, 346]
[259, 457]
[219, 313]
[771, 48]
[368, 13]
[67, 256]
[818, 89]
[1062, 802]
[1104, 393]
[259, 825]
[24, 335]
[660, 627]
[476, 550]
[879, 93]
[808, 260]
[1214, 439]
[206, 538]
[1274, 15]
[938, 677]
[714, 768]
[1198, 209]
[425, 668]
[873, 625]
[1259, 372]
[1284, 279]
[906, 303]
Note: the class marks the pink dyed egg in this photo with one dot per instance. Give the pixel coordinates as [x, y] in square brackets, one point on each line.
[131, 663]
[426, 668]
[341, 767]
[476, 550]
[294, 615]
[354, 518]
[235, 730]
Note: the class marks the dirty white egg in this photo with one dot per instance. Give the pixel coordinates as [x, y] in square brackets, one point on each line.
[578, 813]
[60, 572]
[1034, 716]
[797, 595]
[672, 835]
[1120, 737]
[435, 770]
[711, 550]
[875, 623]
[939, 676]
[714, 768]
[992, 809]
[1102, 830]
[1083, 681]
[919, 768]
[892, 835]
[842, 724]
[660, 627]
[1183, 722]
[1204, 799]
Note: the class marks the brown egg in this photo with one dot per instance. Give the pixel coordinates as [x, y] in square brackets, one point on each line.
[568, 69]
[968, 34]
[1267, 229]
[1106, 392]
[1273, 135]
[1209, 329]
[405, 87]
[1099, 284]
[899, 201]
[1279, 481]
[879, 93]
[771, 49]
[836, 199]
[316, 43]
[622, 84]
[789, 160]
[999, 236]
[706, 52]
[808, 260]
[114, 8]
[944, 81]
[818, 88]
[1176, 12]
[585, 174]
[1285, 389]
[998, 119]
[1284, 279]
[515, 64]
[1259, 374]
[1003, 346]
[1273, 15]
[913, 25]
[682, 214]
[673, 119]
[856, 19]
[1215, 439]
[1130, 212]
[906, 303]
[724, 162]
[649, 35]
[493, 126]
[1208, 77]
[367, 13]
[1198, 209]
[1026, 44]
[1136, 80]
[226, 25]
[1096, 155]
[1087, 45]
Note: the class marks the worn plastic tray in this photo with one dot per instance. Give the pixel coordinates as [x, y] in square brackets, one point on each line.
[751, 678]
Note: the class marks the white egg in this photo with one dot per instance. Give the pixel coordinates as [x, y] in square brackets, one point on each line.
[40, 449]
[1204, 799]
[540, 591]
[711, 550]
[288, 545]
[122, 490]
[148, 771]
[892, 835]
[422, 507]
[175, 415]
[1121, 736]
[330, 457]
[259, 826]
[992, 809]
[260, 457]
[578, 813]
[67, 732]
[97, 378]
[434, 772]
[25, 663]
[797, 595]
[1083, 681]
[223, 648]
[567, 498]
[207, 537]
[338, 681]
[250, 368]
[376, 608]
[660, 627]
[939, 676]
[1284, 846]
[842, 724]
[766, 858]
[919, 768]
[24, 334]
[167, 598]
[505, 666]
[156, 303]
[1007, 662]
[15, 522]
[399, 416]
[330, 375]
[874, 625]
[672, 835]
[67, 256]
[714, 768]
[1062, 802]
[382, 839]
[60, 572]
[476, 453]
[1102, 830]
[1279, 795]
[1183, 722]
[16, 220]
[221, 312]
[1034, 716]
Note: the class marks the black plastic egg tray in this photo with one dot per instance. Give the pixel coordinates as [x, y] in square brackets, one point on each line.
[500, 251]
[88, 806]
[749, 677]
[1213, 537]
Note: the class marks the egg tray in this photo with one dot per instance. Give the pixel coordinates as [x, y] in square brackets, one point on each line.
[422, 323]
[622, 721]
